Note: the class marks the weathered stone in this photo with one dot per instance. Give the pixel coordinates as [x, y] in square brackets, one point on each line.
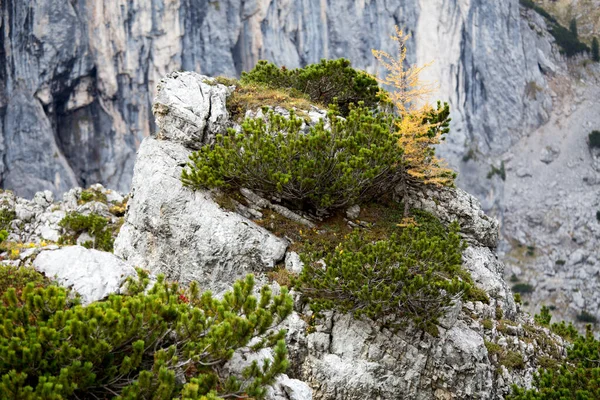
[91, 273]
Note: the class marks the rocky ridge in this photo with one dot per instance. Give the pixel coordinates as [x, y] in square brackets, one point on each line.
[481, 349]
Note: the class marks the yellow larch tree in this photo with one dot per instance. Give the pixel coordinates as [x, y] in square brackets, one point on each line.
[420, 126]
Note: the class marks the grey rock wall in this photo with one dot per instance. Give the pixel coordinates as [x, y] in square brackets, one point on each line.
[77, 77]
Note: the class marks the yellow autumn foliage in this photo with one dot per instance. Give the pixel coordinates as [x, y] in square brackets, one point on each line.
[419, 127]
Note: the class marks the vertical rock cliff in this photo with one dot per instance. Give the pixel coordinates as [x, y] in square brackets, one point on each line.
[77, 76]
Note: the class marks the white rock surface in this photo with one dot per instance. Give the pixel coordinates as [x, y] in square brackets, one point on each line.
[183, 233]
[91, 273]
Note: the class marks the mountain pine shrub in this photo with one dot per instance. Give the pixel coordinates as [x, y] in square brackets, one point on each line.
[578, 378]
[325, 83]
[594, 139]
[350, 161]
[96, 225]
[159, 343]
[595, 50]
[409, 276]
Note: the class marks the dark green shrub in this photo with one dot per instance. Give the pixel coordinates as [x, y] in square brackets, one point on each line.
[560, 262]
[132, 346]
[357, 159]
[566, 39]
[568, 42]
[96, 225]
[522, 288]
[544, 317]
[595, 50]
[18, 278]
[410, 276]
[598, 215]
[594, 139]
[501, 172]
[587, 317]
[328, 82]
[573, 27]
[577, 379]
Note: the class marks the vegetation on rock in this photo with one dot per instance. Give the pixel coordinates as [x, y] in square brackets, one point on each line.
[578, 378]
[325, 83]
[410, 276]
[339, 162]
[566, 39]
[162, 342]
[96, 225]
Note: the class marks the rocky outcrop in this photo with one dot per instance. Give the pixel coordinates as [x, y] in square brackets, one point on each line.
[77, 78]
[91, 273]
[172, 229]
[185, 234]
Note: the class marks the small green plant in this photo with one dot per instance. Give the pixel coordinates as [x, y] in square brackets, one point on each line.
[499, 313]
[517, 297]
[132, 346]
[544, 317]
[560, 262]
[354, 161]
[586, 316]
[530, 251]
[576, 379]
[573, 27]
[523, 288]
[410, 276]
[595, 50]
[513, 278]
[6, 217]
[96, 225]
[18, 278]
[512, 360]
[488, 324]
[501, 172]
[89, 195]
[594, 139]
[328, 82]
[567, 39]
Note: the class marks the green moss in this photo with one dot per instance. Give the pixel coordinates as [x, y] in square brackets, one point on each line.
[488, 324]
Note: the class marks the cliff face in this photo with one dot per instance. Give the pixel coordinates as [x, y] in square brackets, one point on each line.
[77, 77]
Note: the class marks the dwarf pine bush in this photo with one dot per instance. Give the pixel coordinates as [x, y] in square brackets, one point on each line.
[578, 378]
[410, 276]
[158, 343]
[337, 163]
[74, 224]
[328, 82]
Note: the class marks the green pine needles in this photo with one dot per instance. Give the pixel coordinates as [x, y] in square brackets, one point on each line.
[578, 378]
[410, 276]
[74, 224]
[160, 343]
[328, 82]
[337, 163]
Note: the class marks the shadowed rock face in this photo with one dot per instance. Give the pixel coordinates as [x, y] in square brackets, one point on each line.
[77, 77]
